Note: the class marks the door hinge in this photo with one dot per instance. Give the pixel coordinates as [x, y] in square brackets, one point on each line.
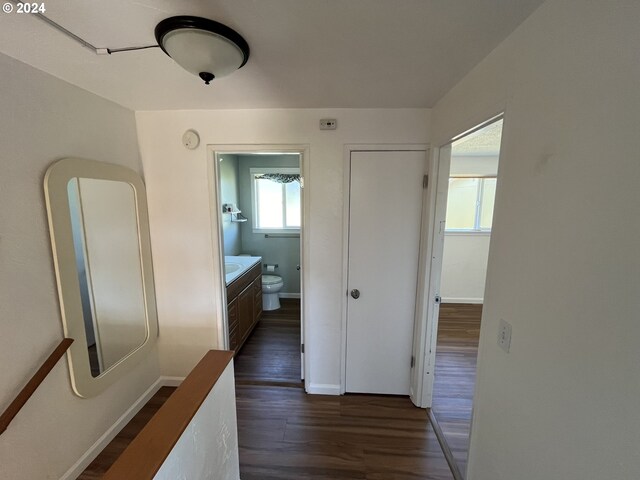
[301, 181]
[413, 361]
[302, 348]
[425, 181]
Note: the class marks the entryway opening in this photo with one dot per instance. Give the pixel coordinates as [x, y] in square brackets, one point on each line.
[259, 204]
[472, 161]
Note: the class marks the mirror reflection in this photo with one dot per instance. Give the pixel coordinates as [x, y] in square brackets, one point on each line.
[104, 224]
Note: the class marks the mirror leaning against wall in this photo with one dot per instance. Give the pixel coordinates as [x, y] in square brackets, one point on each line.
[102, 256]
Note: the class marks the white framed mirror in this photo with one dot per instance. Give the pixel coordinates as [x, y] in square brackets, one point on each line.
[102, 255]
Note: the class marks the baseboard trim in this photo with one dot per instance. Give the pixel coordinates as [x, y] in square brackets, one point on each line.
[462, 300]
[323, 389]
[171, 381]
[289, 295]
[448, 455]
[100, 444]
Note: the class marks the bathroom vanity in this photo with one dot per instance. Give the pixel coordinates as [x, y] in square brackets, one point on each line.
[244, 297]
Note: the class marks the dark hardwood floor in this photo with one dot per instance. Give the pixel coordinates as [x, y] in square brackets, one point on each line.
[286, 434]
[271, 355]
[102, 462]
[455, 375]
[283, 433]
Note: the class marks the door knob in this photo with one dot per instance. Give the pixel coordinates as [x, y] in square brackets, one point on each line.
[355, 293]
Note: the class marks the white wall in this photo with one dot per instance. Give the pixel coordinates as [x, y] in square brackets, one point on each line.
[464, 259]
[564, 268]
[44, 119]
[208, 448]
[464, 267]
[181, 221]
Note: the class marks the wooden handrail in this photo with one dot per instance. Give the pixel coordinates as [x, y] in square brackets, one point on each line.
[14, 407]
[149, 449]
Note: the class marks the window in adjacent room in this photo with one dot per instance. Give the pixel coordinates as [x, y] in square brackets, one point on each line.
[275, 193]
[470, 204]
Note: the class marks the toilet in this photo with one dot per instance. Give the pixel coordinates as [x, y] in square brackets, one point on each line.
[271, 285]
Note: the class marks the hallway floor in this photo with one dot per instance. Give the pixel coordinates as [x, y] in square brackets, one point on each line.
[284, 433]
[455, 375]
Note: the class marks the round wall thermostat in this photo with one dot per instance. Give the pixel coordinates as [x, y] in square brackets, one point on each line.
[191, 139]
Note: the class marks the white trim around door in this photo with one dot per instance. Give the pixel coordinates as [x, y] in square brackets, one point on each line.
[421, 339]
[433, 235]
[213, 151]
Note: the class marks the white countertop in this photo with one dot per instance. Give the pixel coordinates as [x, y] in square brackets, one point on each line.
[236, 266]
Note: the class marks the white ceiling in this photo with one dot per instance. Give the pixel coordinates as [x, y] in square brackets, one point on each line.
[304, 53]
[485, 141]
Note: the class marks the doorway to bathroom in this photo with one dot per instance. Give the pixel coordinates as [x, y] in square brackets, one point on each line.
[258, 204]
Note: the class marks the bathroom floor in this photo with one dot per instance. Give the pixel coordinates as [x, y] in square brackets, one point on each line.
[271, 355]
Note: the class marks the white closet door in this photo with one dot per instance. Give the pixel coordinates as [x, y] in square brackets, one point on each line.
[385, 208]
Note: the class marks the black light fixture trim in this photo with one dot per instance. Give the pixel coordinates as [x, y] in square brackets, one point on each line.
[185, 21]
[207, 77]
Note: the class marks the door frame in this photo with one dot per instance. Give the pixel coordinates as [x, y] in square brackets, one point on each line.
[220, 293]
[420, 338]
[441, 166]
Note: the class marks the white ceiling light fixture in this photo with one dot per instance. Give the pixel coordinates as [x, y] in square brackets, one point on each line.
[201, 46]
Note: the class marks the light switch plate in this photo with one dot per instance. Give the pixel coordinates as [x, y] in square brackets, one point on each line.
[504, 335]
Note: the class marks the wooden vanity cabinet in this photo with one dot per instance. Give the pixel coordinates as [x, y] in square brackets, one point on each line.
[244, 306]
[245, 312]
[232, 314]
[257, 297]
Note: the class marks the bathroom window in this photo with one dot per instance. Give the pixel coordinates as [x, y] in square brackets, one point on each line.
[276, 199]
[470, 204]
